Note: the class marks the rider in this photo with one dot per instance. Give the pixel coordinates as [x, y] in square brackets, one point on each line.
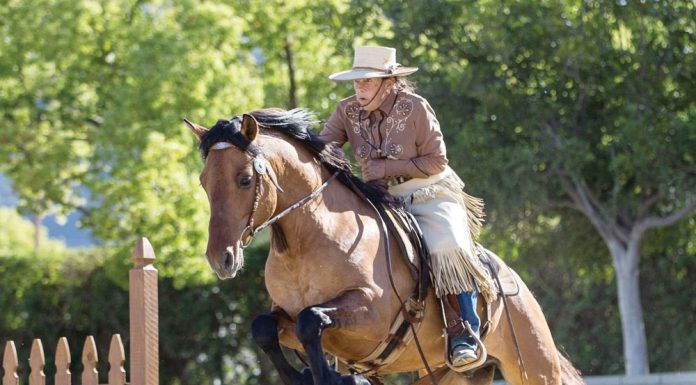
[396, 138]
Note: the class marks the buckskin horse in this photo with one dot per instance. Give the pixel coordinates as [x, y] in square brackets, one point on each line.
[332, 285]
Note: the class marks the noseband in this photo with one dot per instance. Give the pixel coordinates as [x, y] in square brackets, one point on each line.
[261, 167]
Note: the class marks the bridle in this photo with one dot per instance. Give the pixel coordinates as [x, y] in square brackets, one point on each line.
[261, 168]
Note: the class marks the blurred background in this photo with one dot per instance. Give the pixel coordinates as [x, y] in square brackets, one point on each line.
[574, 120]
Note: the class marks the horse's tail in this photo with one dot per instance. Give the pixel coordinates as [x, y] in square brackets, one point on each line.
[569, 374]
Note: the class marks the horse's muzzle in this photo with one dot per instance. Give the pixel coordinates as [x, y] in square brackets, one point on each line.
[228, 264]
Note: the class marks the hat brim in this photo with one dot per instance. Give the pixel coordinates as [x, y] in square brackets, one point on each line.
[355, 74]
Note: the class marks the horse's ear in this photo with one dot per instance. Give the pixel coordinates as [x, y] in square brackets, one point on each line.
[196, 129]
[250, 127]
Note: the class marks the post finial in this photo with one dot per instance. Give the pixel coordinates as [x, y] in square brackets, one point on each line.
[143, 254]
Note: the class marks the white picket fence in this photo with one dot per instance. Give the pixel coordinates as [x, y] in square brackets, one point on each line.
[144, 339]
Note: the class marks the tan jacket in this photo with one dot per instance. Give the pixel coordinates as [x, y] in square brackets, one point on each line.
[403, 133]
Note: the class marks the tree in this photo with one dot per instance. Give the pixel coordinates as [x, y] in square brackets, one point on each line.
[582, 105]
[93, 114]
[16, 237]
[45, 109]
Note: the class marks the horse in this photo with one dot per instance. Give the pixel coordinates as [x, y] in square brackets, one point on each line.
[332, 288]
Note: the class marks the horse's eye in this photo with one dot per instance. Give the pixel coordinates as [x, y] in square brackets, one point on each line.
[245, 182]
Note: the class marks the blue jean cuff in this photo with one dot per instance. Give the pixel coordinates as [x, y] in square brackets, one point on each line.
[464, 340]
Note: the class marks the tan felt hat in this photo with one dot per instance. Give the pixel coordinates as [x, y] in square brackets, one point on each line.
[373, 62]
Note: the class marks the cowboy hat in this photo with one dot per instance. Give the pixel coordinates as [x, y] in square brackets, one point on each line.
[373, 62]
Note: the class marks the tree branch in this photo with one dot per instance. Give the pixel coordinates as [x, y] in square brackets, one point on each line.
[647, 204]
[668, 220]
[592, 209]
[549, 206]
[551, 130]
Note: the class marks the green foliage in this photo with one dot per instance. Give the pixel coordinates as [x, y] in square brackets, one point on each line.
[17, 237]
[671, 255]
[98, 113]
[316, 38]
[94, 117]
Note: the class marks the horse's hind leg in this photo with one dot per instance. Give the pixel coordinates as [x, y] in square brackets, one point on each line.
[537, 350]
[264, 331]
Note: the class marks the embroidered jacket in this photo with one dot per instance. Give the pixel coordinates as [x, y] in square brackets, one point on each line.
[403, 133]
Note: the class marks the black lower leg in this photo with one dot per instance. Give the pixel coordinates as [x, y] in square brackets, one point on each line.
[311, 323]
[264, 331]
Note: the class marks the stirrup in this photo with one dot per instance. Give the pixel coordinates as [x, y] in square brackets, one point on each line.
[480, 352]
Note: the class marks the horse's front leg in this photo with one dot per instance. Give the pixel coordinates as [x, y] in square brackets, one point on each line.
[312, 321]
[264, 331]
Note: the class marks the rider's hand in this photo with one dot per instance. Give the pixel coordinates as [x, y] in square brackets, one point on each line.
[374, 169]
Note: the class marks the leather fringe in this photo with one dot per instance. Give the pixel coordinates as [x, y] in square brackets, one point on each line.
[455, 271]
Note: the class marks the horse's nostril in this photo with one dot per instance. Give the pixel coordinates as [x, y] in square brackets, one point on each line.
[228, 259]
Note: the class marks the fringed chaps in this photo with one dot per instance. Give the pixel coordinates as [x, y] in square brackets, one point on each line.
[455, 265]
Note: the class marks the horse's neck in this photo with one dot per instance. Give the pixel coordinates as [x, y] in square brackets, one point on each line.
[318, 217]
[336, 225]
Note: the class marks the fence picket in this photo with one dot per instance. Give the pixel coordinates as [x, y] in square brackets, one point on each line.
[63, 376]
[117, 356]
[10, 364]
[37, 361]
[90, 375]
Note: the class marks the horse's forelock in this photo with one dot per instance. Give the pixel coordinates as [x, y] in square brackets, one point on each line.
[224, 131]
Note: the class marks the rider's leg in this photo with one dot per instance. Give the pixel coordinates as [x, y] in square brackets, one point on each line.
[463, 347]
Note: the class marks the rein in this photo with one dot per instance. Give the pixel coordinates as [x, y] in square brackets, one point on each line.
[261, 168]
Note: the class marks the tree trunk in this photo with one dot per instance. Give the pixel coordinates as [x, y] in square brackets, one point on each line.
[37, 231]
[626, 262]
[292, 97]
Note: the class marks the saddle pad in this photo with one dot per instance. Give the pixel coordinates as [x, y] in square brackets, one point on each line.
[508, 277]
[408, 251]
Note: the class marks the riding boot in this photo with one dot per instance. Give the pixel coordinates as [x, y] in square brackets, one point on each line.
[463, 347]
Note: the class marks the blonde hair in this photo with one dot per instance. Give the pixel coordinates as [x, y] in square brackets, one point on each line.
[404, 84]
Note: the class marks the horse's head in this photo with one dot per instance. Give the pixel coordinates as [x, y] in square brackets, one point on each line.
[239, 184]
[242, 187]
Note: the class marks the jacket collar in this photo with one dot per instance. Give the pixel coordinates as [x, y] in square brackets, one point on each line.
[388, 103]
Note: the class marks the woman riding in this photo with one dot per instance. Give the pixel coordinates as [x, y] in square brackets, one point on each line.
[396, 138]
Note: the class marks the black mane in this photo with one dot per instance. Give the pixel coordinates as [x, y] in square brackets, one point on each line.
[297, 124]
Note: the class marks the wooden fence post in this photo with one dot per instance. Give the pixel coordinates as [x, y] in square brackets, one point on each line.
[144, 322]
